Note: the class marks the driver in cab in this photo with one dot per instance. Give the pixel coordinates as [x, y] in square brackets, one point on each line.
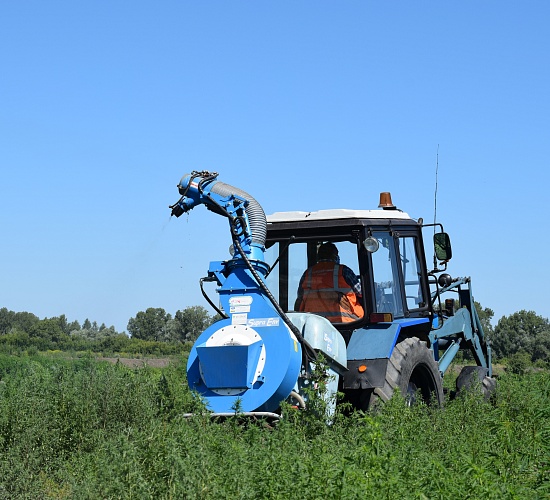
[330, 289]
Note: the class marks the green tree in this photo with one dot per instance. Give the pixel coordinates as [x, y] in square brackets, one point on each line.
[541, 349]
[149, 325]
[48, 330]
[172, 331]
[523, 331]
[94, 334]
[64, 324]
[191, 322]
[74, 325]
[6, 320]
[21, 321]
[24, 321]
[518, 362]
[485, 316]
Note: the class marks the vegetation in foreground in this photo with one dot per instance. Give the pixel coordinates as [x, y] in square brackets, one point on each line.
[84, 429]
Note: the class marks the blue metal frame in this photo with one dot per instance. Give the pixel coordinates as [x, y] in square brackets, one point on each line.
[463, 326]
[449, 334]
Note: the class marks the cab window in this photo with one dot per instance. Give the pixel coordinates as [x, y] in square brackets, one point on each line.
[411, 269]
[286, 281]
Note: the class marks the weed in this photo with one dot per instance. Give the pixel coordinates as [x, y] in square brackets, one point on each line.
[83, 429]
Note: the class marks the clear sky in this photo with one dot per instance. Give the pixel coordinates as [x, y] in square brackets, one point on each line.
[305, 105]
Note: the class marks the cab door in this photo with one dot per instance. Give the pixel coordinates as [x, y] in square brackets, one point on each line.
[397, 272]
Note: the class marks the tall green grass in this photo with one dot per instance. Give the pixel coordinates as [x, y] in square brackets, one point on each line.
[82, 429]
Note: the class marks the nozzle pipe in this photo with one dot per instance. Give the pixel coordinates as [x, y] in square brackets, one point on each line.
[247, 218]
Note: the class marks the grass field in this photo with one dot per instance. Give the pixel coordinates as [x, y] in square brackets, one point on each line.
[88, 429]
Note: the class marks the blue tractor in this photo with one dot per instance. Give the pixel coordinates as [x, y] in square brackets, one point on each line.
[401, 334]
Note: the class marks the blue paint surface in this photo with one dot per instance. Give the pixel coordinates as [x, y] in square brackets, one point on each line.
[377, 341]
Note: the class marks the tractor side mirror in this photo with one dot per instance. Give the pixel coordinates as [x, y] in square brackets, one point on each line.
[442, 246]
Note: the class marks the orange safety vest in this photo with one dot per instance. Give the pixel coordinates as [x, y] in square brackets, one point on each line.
[327, 294]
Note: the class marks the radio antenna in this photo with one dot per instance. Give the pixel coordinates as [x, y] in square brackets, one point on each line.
[435, 195]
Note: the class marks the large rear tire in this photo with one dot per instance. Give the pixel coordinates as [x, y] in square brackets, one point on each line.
[413, 372]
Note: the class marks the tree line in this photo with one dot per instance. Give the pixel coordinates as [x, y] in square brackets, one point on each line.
[153, 331]
[523, 333]
[523, 336]
[158, 325]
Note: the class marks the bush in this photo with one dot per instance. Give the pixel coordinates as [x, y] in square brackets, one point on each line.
[518, 362]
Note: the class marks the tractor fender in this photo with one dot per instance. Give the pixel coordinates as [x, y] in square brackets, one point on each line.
[377, 341]
[370, 349]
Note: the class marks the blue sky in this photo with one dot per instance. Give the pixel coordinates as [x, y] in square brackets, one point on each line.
[305, 105]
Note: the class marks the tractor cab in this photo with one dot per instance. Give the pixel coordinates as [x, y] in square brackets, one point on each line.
[382, 249]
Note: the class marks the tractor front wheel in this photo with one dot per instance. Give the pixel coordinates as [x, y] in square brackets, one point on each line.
[476, 378]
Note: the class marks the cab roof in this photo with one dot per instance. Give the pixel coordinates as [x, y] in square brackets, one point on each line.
[337, 214]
